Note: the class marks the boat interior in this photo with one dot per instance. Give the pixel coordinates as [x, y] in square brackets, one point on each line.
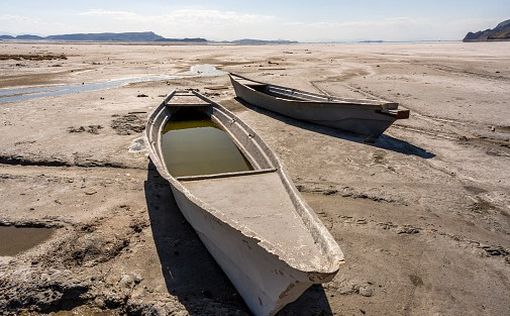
[186, 111]
[283, 93]
[259, 197]
[298, 95]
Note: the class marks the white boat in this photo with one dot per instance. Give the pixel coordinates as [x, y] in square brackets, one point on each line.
[361, 116]
[264, 236]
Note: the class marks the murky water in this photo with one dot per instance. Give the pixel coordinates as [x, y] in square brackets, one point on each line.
[29, 93]
[14, 240]
[199, 147]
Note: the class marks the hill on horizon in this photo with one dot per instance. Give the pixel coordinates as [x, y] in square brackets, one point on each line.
[135, 37]
[500, 33]
[115, 37]
[108, 36]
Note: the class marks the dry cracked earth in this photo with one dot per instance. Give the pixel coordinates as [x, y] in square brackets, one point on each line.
[422, 214]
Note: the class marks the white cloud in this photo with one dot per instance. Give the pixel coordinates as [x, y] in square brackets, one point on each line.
[188, 15]
[219, 25]
[15, 18]
[110, 14]
[213, 24]
[184, 16]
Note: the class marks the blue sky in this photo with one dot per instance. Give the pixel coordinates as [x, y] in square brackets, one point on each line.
[319, 20]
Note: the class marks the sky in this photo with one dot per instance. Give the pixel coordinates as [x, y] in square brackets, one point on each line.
[317, 20]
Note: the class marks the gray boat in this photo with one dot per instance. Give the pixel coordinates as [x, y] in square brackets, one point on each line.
[361, 116]
[250, 216]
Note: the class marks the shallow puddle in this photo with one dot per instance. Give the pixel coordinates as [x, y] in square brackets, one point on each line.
[29, 93]
[14, 240]
[23, 94]
[199, 147]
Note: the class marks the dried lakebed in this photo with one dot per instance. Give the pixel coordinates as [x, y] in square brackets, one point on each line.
[422, 214]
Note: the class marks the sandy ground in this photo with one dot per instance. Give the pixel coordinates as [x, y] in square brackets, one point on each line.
[422, 214]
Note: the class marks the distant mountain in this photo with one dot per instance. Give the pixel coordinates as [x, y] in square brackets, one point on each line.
[29, 37]
[136, 37]
[500, 33]
[103, 37]
[112, 37]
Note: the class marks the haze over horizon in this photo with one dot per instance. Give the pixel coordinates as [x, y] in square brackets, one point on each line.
[324, 20]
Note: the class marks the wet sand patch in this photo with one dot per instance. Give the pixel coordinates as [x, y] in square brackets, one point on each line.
[31, 79]
[18, 239]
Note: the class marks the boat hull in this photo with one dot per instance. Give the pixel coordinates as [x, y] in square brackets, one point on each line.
[355, 118]
[266, 279]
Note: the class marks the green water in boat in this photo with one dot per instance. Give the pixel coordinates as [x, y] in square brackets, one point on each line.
[199, 147]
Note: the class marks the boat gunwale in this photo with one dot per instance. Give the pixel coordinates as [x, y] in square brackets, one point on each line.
[329, 248]
[373, 104]
[225, 174]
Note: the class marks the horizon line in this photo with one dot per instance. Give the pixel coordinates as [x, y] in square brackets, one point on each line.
[217, 40]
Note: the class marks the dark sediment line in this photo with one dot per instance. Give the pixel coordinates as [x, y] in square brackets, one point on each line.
[18, 160]
[37, 223]
[23, 161]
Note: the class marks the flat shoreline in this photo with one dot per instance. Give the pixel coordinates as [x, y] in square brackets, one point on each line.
[422, 214]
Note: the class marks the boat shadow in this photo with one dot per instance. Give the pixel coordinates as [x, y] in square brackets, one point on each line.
[190, 272]
[384, 141]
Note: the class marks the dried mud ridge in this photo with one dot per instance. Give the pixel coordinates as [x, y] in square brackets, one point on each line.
[92, 243]
[463, 72]
[32, 57]
[91, 129]
[497, 145]
[78, 161]
[344, 191]
[493, 146]
[129, 124]
[41, 223]
[348, 287]
[406, 229]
